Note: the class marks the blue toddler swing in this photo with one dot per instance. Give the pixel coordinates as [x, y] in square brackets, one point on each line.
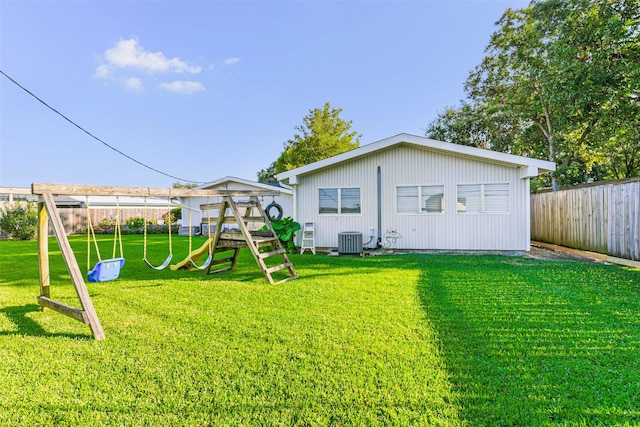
[105, 269]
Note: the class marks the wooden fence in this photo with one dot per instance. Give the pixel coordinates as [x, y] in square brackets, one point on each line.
[603, 217]
[74, 220]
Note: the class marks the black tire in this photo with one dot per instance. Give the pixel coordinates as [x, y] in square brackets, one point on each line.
[278, 208]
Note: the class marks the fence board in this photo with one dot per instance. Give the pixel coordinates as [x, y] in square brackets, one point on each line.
[603, 218]
[75, 219]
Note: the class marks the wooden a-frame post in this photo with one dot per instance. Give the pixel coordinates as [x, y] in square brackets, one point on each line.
[87, 314]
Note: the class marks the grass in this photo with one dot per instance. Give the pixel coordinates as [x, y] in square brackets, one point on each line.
[394, 340]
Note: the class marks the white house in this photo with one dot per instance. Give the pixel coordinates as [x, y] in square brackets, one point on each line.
[411, 192]
[192, 214]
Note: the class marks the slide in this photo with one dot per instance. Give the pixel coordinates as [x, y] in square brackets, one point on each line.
[194, 255]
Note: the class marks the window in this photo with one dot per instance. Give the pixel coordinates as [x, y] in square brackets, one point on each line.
[420, 199]
[350, 200]
[483, 198]
[496, 198]
[469, 196]
[339, 201]
[407, 199]
[328, 201]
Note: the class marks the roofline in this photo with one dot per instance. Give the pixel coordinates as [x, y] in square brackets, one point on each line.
[222, 180]
[532, 167]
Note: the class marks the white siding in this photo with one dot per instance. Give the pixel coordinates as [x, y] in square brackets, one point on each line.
[404, 165]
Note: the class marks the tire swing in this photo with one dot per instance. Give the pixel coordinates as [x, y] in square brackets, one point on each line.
[277, 207]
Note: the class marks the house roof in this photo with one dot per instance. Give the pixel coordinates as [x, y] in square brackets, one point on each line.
[529, 167]
[232, 179]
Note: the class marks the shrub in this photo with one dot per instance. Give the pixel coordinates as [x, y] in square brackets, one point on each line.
[137, 222]
[20, 221]
[285, 230]
[173, 216]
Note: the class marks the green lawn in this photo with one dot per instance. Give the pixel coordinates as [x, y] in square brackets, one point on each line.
[394, 340]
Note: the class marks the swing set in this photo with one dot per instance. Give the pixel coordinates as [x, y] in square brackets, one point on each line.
[109, 269]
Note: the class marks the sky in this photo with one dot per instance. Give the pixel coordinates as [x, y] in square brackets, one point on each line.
[200, 90]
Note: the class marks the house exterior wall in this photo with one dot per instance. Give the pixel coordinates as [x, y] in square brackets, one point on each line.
[406, 165]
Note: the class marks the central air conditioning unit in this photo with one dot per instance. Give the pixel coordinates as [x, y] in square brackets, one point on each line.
[350, 242]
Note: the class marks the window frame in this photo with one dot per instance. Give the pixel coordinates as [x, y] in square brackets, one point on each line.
[483, 195]
[339, 202]
[419, 198]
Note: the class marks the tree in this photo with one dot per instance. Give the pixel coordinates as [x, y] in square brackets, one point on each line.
[269, 174]
[185, 186]
[561, 79]
[323, 134]
[473, 125]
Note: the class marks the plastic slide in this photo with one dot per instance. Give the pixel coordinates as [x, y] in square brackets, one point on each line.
[194, 255]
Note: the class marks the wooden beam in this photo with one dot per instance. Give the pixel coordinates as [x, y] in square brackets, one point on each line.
[62, 308]
[43, 251]
[73, 268]
[93, 190]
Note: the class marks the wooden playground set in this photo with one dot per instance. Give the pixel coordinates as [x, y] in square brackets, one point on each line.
[234, 229]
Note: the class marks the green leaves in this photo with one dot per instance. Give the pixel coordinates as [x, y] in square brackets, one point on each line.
[560, 80]
[285, 230]
[323, 134]
[20, 220]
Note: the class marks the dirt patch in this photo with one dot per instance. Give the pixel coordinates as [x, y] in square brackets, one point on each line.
[538, 252]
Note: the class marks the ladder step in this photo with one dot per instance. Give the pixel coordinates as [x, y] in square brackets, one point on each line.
[222, 260]
[264, 255]
[278, 267]
[286, 279]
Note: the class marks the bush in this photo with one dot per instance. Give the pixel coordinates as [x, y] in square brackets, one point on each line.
[285, 230]
[136, 222]
[20, 221]
[174, 215]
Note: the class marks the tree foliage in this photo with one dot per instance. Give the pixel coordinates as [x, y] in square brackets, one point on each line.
[560, 80]
[184, 186]
[323, 134]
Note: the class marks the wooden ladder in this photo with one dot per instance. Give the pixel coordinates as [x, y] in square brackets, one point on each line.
[231, 240]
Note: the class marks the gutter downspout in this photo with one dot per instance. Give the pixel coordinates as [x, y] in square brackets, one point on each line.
[379, 243]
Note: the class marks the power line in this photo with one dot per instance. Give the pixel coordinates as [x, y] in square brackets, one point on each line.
[93, 136]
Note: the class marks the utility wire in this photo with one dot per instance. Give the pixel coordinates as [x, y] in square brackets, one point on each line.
[95, 137]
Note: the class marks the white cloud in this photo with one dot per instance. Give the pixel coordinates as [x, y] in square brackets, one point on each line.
[231, 61]
[134, 84]
[102, 72]
[182, 86]
[129, 64]
[128, 54]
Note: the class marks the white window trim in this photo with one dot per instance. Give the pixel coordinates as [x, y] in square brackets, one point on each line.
[339, 213]
[482, 198]
[419, 211]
